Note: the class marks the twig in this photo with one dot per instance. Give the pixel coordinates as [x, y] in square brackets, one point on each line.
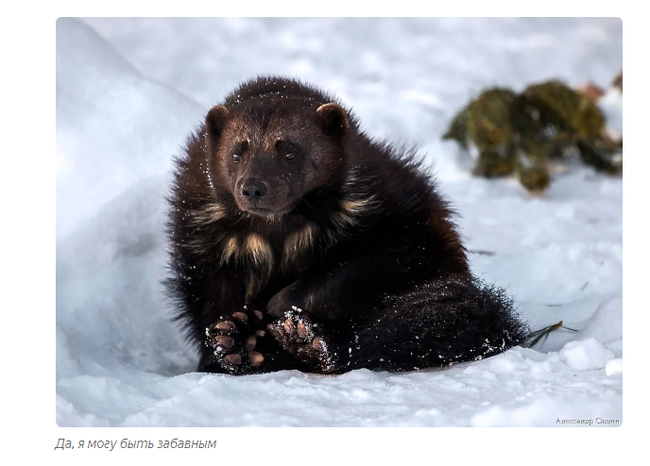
[545, 332]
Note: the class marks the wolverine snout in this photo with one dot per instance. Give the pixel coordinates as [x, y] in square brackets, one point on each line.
[253, 191]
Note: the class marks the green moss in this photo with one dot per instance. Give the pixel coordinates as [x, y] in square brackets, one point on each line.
[520, 133]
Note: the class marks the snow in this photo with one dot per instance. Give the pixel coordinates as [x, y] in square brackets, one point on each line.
[127, 131]
[124, 108]
[586, 355]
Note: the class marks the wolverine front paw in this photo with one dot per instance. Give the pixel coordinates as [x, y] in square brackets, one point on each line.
[300, 336]
[233, 340]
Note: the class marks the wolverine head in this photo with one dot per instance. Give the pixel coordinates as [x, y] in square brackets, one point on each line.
[269, 153]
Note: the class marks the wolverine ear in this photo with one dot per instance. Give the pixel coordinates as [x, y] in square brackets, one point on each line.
[215, 121]
[333, 119]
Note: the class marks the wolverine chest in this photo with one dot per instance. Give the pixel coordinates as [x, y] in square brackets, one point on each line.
[281, 251]
[260, 259]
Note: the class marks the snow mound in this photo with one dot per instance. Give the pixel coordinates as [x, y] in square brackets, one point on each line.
[614, 366]
[586, 355]
[113, 126]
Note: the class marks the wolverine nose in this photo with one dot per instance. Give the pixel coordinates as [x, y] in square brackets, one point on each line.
[253, 190]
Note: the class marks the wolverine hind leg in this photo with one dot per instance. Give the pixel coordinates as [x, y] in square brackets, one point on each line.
[437, 324]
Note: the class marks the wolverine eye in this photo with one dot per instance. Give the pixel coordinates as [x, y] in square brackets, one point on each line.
[236, 158]
[290, 156]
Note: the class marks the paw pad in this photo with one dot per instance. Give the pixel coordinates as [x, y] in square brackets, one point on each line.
[232, 342]
[298, 335]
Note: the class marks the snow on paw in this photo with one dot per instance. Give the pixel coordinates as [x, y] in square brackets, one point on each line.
[233, 340]
[300, 336]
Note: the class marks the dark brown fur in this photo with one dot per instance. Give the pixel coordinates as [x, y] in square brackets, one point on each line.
[343, 247]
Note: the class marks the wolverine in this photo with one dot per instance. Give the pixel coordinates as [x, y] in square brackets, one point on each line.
[298, 242]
